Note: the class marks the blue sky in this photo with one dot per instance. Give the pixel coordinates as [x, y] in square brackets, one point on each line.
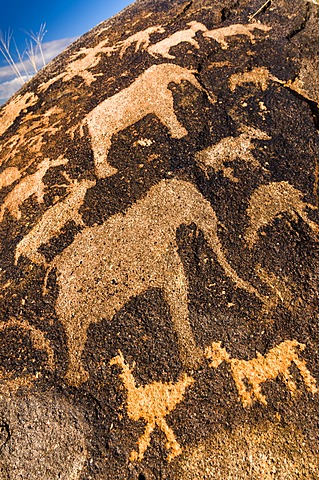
[65, 21]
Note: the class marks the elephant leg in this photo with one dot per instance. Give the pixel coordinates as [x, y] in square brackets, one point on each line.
[176, 294]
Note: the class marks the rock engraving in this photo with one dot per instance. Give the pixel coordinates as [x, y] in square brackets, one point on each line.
[14, 108]
[29, 185]
[141, 39]
[9, 383]
[230, 149]
[259, 76]
[52, 222]
[108, 264]
[270, 200]
[9, 176]
[152, 403]
[148, 94]
[220, 34]
[277, 362]
[163, 47]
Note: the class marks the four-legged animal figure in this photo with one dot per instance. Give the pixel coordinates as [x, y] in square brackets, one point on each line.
[276, 362]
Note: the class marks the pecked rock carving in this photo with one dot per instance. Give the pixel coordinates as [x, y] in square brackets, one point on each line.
[141, 39]
[152, 403]
[148, 94]
[270, 200]
[52, 222]
[254, 372]
[14, 108]
[9, 383]
[220, 34]
[163, 47]
[127, 262]
[9, 176]
[230, 149]
[80, 64]
[259, 76]
[28, 186]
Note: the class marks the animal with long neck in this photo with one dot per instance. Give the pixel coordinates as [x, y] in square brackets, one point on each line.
[152, 403]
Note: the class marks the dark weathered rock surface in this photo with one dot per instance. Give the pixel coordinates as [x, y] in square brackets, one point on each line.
[159, 249]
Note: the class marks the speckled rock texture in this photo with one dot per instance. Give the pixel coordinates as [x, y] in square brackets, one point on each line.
[159, 257]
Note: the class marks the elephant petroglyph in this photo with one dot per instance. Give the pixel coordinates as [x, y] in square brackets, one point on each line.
[108, 264]
[148, 94]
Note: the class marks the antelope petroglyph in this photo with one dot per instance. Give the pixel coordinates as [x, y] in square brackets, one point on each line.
[275, 363]
[220, 34]
[148, 94]
[52, 222]
[152, 403]
[140, 39]
[28, 186]
[230, 149]
[8, 383]
[108, 264]
[272, 199]
[163, 47]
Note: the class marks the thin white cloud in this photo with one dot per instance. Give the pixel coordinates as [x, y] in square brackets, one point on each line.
[9, 85]
[7, 89]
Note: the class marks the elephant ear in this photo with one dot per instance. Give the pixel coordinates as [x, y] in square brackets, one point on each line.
[270, 200]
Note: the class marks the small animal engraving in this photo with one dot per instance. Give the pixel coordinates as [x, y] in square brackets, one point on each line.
[13, 109]
[141, 39]
[152, 403]
[259, 76]
[220, 34]
[28, 186]
[148, 94]
[52, 222]
[275, 363]
[270, 200]
[230, 149]
[9, 383]
[163, 47]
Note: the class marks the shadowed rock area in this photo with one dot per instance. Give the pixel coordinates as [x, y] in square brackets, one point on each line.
[159, 261]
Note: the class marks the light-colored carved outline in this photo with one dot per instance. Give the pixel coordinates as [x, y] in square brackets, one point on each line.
[268, 201]
[30, 185]
[276, 363]
[139, 250]
[220, 34]
[152, 403]
[148, 94]
[53, 220]
[163, 47]
[230, 149]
